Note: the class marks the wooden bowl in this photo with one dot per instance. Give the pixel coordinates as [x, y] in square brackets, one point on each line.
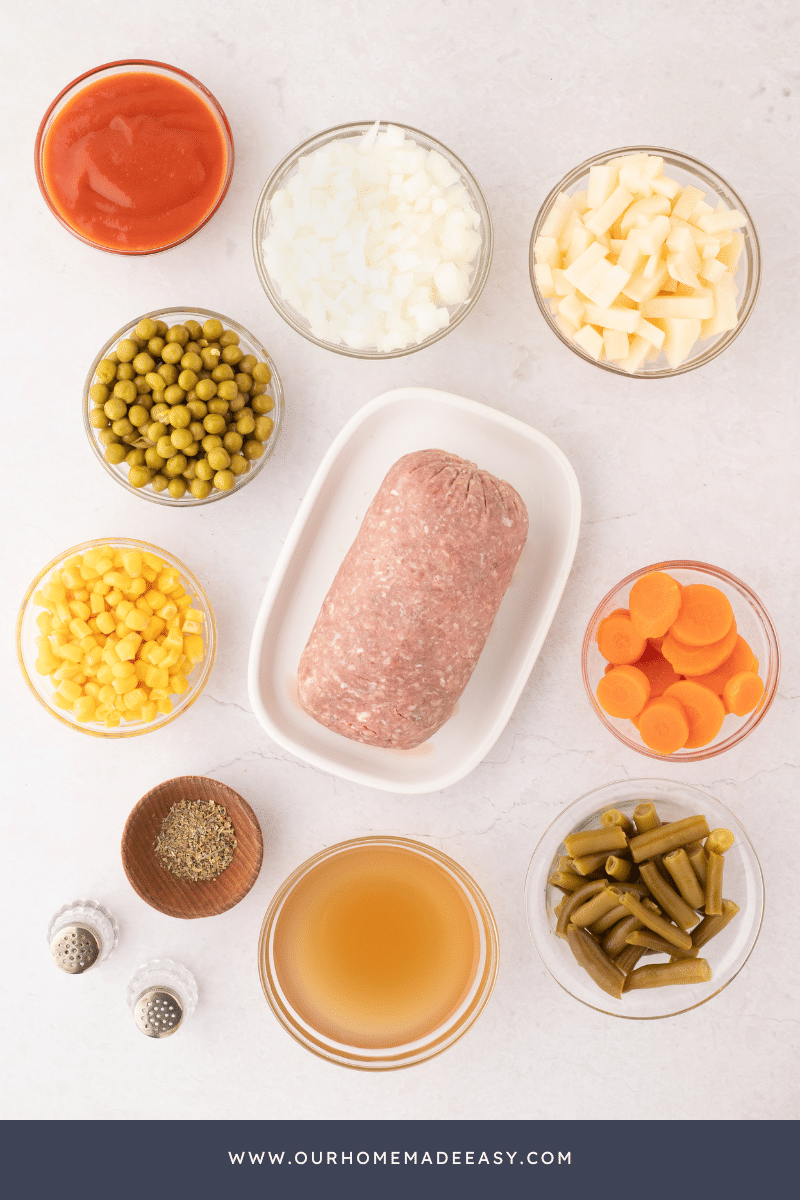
[186, 897]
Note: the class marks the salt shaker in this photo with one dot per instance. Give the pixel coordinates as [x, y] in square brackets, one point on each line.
[81, 935]
[162, 994]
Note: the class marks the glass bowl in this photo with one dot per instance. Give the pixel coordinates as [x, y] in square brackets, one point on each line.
[263, 222]
[176, 316]
[398, 880]
[106, 71]
[43, 687]
[685, 170]
[753, 623]
[726, 953]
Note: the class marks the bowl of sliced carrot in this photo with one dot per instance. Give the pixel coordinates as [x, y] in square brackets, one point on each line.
[681, 660]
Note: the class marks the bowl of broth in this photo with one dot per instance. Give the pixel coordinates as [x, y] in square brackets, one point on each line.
[378, 953]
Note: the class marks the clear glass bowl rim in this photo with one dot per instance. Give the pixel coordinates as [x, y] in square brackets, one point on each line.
[359, 1058]
[115, 68]
[187, 501]
[354, 129]
[773, 667]
[189, 697]
[752, 251]
[583, 811]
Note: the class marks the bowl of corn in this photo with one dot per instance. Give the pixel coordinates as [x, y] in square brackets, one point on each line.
[116, 637]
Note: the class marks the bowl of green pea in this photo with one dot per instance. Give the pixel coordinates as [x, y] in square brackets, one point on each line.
[183, 406]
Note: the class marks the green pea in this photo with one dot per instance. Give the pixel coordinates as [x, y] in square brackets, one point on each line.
[197, 408]
[200, 489]
[191, 361]
[192, 449]
[156, 430]
[172, 353]
[115, 409]
[174, 394]
[222, 372]
[168, 372]
[211, 441]
[239, 464]
[219, 458]
[106, 371]
[155, 380]
[197, 431]
[215, 423]
[115, 453]
[143, 362]
[127, 350]
[210, 356]
[159, 483]
[180, 417]
[262, 404]
[139, 476]
[247, 363]
[187, 380]
[232, 441]
[252, 450]
[165, 447]
[177, 488]
[263, 429]
[180, 438]
[125, 371]
[246, 423]
[146, 328]
[194, 329]
[138, 415]
[220, 407]
[243, 382]
[228, 338]
[175, 465]
[206, 389]
[155, 346]
[224, 480]
[227, 389]
[178, 334]
[107, 437]
[98, 419]
[238, 404]
[231, 355]
[203, 470]
[261, 373]
[212, 329]
[98, 393]
[153, 458]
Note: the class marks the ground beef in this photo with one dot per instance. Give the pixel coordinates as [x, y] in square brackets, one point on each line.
[406, 618]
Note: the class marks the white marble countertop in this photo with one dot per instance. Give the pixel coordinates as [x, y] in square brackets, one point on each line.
[703, 466]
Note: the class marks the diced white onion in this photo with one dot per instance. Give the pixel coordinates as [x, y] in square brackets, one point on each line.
[371, 240]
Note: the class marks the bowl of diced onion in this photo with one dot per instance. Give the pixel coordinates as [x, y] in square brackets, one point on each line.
[645, 262]
[372, 240]
[116, 637]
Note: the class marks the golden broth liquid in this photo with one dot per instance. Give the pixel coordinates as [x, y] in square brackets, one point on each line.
[376, 946]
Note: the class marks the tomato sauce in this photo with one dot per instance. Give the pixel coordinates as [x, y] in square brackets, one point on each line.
[135, 162]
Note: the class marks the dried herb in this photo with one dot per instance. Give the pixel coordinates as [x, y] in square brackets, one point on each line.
[197, 840]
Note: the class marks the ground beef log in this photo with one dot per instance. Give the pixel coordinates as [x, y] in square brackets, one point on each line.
[406, 618]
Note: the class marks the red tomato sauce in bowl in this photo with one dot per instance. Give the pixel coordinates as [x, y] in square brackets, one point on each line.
[134, 157]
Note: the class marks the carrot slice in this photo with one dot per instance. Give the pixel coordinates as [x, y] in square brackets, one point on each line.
[654, 603]
[617, 640]
[623, 691]
[742, 659]
[698, 660]
[663, 725]
[704, 710]
[705, 615]
[742, 693]
[659, 672]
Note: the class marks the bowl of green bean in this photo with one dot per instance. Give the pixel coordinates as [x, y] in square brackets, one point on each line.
[644, 898]
[183, 406]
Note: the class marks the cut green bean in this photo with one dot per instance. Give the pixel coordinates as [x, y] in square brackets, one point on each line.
[710, 926]
[718, 841]
[616, 939]
[618, 868]
[668, 837]
[627, 959]
[595, 961]
[679, 867]
[659, 945]
[572, 903]
[566, 881]
[595, 841]
[686, 970]
[672, 903]
[608, 920]
[651, 920]
[645, 817]
[697, 857]
[587, 864]
[716, 865]
[613, 817]
[595, 908]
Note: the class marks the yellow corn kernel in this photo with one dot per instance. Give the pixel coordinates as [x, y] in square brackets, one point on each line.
[69, 689]
[96, 603]
[84, 709]
[168, 611]
[152, 560]
[61, 702]
[135, 619]
[87, 643]
[80, 594]
[179, 684]
[44, 622]
[170, 659]
[92, 688]
[110, 655]
[149, 574]
[94, 656]
[112, 720]
[70, 651]
[156, 677]
[47, 658]
[101, 712]
[122, 670]
[191, 627]
[105, 622]
[87, 574]
[183, 602]
[154, 628]
[164, 707]
[67, 670]
[159, 694]
[100, 588]
[155, 599]
[194, 614]
[54, 590]
[125, 684]
[143, 606]
[138, 587]
[140, 668]
[193, 648]
[40, 599]
[157, 655]
[57, 638]
[106, 694]
[122, 609]
[149, 711]
[135, 699]
[127, 647]
[168, 580]
[113, 597]
[71, 578]
[62, 611]
[132, 562]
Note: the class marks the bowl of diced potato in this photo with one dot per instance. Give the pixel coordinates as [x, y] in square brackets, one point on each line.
[645, 262]
[116, 637]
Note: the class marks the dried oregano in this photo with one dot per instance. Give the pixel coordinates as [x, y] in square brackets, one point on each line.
[197, 840]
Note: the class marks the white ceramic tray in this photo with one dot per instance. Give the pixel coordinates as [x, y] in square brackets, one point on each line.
[326, 524]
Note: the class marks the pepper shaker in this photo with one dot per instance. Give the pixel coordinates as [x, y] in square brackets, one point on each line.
[162, 994]
[81, 935]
